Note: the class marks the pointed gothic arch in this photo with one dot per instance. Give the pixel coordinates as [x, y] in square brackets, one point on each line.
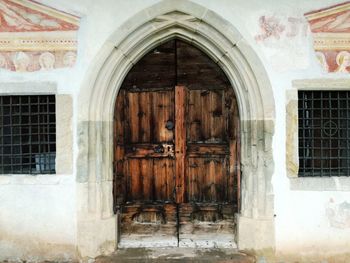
[219, 39]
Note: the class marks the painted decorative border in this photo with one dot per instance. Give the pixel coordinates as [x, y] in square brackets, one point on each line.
[36, 41]
[330, 28]
[45, 43]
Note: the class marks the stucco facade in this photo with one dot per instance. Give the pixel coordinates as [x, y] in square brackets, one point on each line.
[266, 49]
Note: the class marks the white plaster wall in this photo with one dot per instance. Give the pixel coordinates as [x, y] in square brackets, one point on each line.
[37, 217]
[47, 211]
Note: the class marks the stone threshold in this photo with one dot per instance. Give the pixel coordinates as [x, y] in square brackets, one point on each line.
[170, 255]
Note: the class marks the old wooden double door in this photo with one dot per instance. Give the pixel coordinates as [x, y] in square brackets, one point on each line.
[176, 168]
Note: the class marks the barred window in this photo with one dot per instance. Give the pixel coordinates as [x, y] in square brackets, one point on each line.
[324, 133]
[27, 134]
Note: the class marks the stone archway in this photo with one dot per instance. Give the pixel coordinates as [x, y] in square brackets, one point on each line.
[204, 29]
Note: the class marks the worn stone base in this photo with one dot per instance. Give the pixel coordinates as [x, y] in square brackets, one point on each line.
[182, 255]
[255, 233]
[96, 237]
[140, 241]
[209, 240]
[186, 241]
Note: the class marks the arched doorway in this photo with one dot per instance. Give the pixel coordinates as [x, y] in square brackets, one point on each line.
[177, 151]
[219, 39]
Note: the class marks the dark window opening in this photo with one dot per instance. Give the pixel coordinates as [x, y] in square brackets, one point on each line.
[27, 134]
[324, 133]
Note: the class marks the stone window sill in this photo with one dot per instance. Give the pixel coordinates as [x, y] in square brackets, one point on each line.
[334, 183]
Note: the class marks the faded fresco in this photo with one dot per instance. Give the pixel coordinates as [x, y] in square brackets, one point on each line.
[284, 42]
[338, 214]
[34, 37]
[331, 33]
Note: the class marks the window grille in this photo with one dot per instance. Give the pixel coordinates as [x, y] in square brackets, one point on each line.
[27, 134]
[324, 133]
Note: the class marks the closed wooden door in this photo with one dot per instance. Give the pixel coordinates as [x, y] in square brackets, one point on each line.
[176, 170]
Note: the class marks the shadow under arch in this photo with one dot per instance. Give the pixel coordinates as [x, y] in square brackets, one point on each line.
[215, 36]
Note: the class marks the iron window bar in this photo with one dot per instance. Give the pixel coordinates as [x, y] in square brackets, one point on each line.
[27, 134]
[324, 123]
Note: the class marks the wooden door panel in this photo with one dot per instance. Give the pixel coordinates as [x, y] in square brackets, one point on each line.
[149, 149]
[177, 149]
[148, 212]
[147, 116]
[154, 71]
[164, 180]
[163, 106]
[180, 142]
[196, 70]
[205, 116]
[138, 113]
[140, 176]
[207, 180]
[207, 149]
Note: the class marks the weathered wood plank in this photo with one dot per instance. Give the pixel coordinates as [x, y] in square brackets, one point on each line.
[146, 168]
[206, 150]
[180, 142]
[233, 134]
[155, 70]
[217, 116]
[206, 116]
[144, 116]
[140, 186]
[194, 184]
[207, 179]
[194, 126]
[119, 182]
[133, 118]
[163, 111]
[196, 70]
[164, 181]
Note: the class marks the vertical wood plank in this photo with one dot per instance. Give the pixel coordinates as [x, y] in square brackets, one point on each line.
[119, 175]
[180, 142]
[144, 116]
[220, 183]
[230, 108]
[163, 111]
[194, 116]
[163, 171]
[140, 186]
[194, 181]
[133, 119]
[147, 179]
[211, 182]
[118, 165]
[205, 107]
[135, 184]
[217, 117]
[233, 134]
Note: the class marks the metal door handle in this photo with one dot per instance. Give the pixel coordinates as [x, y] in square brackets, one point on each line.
[159, 149]
[169, 125]
[164, 149]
